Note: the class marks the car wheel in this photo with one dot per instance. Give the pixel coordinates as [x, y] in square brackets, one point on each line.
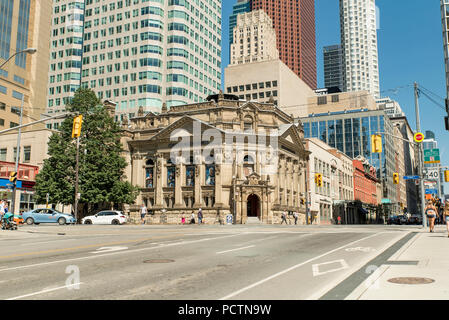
[61, 221]
[87, 222]
[29, 221]
[115, 222]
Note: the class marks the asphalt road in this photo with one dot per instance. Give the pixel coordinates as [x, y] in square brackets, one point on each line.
[48, 262]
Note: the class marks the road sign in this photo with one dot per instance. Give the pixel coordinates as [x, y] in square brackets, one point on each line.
[412, 177]
[431, 191]
[432, 174]
[432, 156]
[419, 137]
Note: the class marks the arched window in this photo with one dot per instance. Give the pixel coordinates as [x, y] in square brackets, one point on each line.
[248, 165]
[149, 174]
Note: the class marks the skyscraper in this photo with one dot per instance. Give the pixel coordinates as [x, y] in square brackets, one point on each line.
[23, 24]
[333, 67]
[294, 21]
[242, 6]
[136, 53]
[359, 41]
[445, 25]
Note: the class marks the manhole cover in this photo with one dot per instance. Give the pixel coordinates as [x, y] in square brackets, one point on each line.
[159, 261]
[411, 280]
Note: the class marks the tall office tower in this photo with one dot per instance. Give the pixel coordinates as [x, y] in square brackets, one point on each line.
[66, 51]
[254, 38]
[242, 6]
[359, 42]
[139, 53]
[431, 143]
[333, 67]
[294, 21]
[445, 24]
[23, 24]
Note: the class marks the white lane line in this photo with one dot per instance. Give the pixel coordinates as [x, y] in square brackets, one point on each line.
[52, 241]
[292, 268]
[114, 253]
[220, 252]
[44, 291]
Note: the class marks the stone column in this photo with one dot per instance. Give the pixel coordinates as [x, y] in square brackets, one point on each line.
[218, 187]
[179, 181]
[159, 170]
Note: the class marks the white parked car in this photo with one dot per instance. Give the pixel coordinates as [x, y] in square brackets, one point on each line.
[105, 217]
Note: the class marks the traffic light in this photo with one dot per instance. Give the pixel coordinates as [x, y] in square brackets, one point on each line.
[376, 143]
[77, 122]
[13, 176]
[396, 178]
[446, 175]
[319, 179]
[446, 123]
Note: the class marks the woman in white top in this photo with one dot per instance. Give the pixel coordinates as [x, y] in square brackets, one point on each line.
[431, 213]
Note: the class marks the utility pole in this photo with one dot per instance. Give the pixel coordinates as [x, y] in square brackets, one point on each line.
[77, 177]
[420, 158]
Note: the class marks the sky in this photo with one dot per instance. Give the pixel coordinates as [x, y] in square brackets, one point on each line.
[410, 44]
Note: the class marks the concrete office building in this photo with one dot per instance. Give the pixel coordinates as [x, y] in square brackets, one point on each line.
[294, 22]
[359, 42]
[136, 53]
[23, 24]
[254, 38]
[333, 67]
[391, 107]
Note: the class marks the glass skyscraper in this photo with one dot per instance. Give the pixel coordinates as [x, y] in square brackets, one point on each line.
[350, 133]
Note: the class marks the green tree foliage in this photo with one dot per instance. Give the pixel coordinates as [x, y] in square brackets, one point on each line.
[101, 166]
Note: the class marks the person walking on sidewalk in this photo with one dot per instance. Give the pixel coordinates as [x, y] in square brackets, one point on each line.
[200, 216]
[284, 217]
[446, 215]
[295, 215]
[192, 218]
[431, 213]
[143, 213]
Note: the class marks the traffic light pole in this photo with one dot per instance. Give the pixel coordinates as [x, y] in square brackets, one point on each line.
[76, 178]
[14, 190]
[420, 159]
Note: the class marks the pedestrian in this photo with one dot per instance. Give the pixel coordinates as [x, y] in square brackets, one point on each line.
[431, 212]
[339, 219]
[284, 217]
[295, 215]
[143, 212]
[446, 215]
[200, 216]
[183, 219]
[192, 218]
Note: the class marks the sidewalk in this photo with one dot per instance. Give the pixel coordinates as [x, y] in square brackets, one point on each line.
[426, 255]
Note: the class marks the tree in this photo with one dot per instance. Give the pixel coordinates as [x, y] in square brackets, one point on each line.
[101, 166]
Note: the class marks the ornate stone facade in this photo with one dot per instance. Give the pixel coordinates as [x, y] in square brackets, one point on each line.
[225, 156]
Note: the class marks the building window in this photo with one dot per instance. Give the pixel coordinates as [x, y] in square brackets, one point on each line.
[336, 98]
[190, 176]
[171, 170]
[27, 154]
[248, 165]
[3, 154]
[210, 175]
[322, 100]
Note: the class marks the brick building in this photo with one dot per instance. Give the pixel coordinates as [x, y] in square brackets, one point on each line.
[365, 190]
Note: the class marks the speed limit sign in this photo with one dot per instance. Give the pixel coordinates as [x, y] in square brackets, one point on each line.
[432, 174]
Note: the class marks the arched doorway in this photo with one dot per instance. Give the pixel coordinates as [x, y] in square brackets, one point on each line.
[253, 206]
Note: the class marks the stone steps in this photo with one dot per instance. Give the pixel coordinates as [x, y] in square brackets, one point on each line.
[253, 220]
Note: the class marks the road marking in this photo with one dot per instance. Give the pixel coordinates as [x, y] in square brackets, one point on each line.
[235, 249]
[52, 241]
[316, 267]
[44, 291]
[362, 249]
[113, 253]
[109, 249]
[293, 268]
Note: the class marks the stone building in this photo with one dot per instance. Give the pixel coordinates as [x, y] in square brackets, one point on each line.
[225, 156]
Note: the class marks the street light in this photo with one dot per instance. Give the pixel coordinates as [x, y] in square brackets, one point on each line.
[28, 50]
[13, 200]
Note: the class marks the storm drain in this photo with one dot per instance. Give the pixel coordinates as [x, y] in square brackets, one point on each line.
[411, 280]
[159, 261]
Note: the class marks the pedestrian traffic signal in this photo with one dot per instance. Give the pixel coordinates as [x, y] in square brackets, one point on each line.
[446, 175]
[396, 178]
[13, 176]
[319, 179]
[77, 122]
[376, 143]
